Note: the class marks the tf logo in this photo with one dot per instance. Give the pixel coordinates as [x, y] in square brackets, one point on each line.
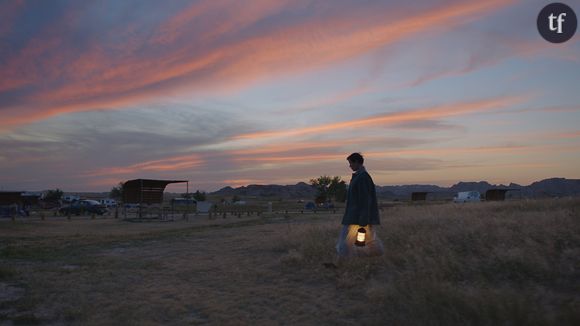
[557, 23]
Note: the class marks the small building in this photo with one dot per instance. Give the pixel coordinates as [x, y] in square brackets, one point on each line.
[497, 194]
[419, 195]
[17, 202]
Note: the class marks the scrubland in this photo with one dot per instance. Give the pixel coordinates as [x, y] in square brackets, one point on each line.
[491, 263]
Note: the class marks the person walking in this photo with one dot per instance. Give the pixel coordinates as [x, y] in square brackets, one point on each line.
[361, 212]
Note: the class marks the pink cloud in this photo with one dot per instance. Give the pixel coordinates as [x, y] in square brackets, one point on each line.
[175, 163]
[67, 79]
[395, 118]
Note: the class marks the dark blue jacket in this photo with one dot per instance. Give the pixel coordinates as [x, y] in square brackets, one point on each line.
[361, 201]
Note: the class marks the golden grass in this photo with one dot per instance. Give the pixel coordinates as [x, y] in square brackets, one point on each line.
[476, 264]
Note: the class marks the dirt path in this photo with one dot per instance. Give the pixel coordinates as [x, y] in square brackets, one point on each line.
[219, 275]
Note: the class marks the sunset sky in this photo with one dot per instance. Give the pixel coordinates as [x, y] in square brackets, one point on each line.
[277, 92]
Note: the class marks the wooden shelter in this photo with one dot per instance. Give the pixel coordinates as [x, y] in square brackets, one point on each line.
[419, 195]
[146, 191]
[11, 198]
[497, 194]
[17, 202]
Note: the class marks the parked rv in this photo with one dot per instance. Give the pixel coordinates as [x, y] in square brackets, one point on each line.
[84, 207]
[467, 196]
[108, 202]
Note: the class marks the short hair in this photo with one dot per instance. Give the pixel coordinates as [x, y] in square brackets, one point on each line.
[356, 157]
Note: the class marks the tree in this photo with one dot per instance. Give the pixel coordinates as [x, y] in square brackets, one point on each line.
[53, 195]
[117, 192]
[199, 196]
[338, 189]
[329, 188]
[322, 185]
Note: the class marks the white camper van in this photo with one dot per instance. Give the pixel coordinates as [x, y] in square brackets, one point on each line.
[108, 202]
[467, 196]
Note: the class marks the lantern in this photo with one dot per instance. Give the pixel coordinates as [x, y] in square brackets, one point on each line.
[360, 237]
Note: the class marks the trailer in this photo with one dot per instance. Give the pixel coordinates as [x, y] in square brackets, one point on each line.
[467, 196]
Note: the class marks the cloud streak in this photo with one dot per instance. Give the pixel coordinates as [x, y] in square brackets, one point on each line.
[391, 119]
[268, 91]
[52, 75]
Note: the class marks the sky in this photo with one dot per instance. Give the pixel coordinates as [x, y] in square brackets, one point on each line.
[231, 93]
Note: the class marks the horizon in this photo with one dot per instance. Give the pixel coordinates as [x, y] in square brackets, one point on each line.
[279, 92]
[176, 190]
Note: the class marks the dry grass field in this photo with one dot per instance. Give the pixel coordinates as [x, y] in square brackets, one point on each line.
[510, 263]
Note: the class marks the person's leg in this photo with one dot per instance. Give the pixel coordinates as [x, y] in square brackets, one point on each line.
[342, 249]
[375, 245]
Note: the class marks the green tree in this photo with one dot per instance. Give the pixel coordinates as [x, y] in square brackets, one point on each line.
[322, 185]
[199, 196]
[338, 189]
[53, 195]
[117, 192]
[329, 188]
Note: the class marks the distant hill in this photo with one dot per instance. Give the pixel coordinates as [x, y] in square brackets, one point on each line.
[299, 190]
[554, 187]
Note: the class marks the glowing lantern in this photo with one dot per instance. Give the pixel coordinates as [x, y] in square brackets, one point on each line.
[360, 237]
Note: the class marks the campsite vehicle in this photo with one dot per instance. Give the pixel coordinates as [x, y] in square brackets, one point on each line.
[183, 202]
[84, 207]
[467, 196]
[108, 202]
